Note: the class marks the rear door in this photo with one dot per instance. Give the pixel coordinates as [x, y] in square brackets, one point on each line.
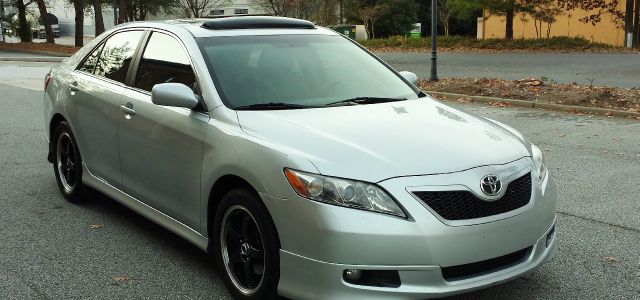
[95, 94]
[161, 147]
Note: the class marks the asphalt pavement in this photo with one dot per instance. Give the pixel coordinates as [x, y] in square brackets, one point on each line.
[52, 249]
[612, 69]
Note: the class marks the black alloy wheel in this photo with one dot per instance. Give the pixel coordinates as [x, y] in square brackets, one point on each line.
[67, 164]
[245, 246]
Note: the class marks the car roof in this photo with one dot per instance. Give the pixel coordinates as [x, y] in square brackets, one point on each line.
[237, 25]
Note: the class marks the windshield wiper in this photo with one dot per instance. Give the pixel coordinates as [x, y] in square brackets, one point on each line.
[364, 100]
[271, 106]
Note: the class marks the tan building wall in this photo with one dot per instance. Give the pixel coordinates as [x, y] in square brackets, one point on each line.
[567, 24]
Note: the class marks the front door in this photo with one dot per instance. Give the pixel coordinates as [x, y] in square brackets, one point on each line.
[161, 147]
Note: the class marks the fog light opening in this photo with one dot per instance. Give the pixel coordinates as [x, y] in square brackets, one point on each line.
[352, 275]
[550, 236]
[378, 278]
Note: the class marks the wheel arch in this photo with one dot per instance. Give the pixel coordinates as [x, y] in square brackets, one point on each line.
[223, 185]
[55, 120]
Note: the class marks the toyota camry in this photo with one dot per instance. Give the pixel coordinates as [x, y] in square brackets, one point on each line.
[300, 162]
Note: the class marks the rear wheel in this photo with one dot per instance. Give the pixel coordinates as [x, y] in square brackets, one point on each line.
[246, 246]
[67, 164]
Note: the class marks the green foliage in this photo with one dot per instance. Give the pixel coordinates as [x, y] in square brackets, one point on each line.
[465, 9]
[399, 20]
[554, 43]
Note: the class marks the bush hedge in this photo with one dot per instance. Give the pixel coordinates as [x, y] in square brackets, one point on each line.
[554, 43]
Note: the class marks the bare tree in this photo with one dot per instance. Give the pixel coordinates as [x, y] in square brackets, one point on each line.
[197, 8]
[444, 13]
[302, 9]
[368, 14]
[544, 11]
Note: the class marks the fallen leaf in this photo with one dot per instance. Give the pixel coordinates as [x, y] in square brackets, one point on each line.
[95, 226]
[117, 280]
[611, 259]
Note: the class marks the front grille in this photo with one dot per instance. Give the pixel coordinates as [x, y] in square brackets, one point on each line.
[485, 266]
[464, 205]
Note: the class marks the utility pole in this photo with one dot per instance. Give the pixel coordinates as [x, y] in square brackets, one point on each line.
[636, 25]
[434, 40]
[628, 24]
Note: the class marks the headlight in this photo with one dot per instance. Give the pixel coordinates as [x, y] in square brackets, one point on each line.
[343, 192]
[538, 161]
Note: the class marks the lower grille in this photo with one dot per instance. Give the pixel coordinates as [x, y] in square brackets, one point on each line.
[464, 205]
[485, 266]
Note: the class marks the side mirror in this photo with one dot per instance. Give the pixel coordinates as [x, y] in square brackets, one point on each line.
[410, 76]
[173, 94]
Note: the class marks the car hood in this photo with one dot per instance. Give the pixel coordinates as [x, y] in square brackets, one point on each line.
[380, 141]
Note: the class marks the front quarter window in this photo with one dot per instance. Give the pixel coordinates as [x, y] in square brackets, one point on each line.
[164, 61]
[89, 63]
[298, 70]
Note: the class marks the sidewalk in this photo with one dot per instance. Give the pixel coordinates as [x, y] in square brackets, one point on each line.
[30, 56]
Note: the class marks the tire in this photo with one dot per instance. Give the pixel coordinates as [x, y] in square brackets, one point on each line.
[236, 246]
[67, 164]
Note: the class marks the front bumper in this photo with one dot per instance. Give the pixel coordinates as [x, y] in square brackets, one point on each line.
[320, 241]
[306, 278]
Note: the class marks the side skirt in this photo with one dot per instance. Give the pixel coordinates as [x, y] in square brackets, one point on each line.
[145, 210]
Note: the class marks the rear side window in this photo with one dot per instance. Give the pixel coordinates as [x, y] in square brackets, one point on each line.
[89, 63]
[117, 54]
[164, 60]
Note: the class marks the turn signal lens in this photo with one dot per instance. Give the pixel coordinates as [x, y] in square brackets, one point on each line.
[296, 183]
[47, 80]
[343, 192]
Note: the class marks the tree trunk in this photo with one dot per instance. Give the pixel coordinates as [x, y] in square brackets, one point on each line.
[97, 9]
[78, 6]
[45, 21]
[509, 23]
[445, 25]
[25, 31]
[425, 18]
[2, 9]
[636, 27]
[122, 12]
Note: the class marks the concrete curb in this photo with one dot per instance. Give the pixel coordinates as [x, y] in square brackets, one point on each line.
[549, 106]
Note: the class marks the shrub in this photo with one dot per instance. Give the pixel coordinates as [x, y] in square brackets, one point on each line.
[554, 43]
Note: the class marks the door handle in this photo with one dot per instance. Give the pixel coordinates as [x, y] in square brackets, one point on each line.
[128, 109]
[73, 86]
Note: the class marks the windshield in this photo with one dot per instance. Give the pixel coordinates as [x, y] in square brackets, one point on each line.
[302, 70]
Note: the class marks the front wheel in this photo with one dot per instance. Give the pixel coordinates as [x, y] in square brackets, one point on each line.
[246, 246]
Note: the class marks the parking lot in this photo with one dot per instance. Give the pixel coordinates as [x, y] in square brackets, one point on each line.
[51, 249]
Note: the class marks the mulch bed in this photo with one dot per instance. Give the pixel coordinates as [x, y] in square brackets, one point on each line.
[61, 49]
[496, 50]
[539, 90]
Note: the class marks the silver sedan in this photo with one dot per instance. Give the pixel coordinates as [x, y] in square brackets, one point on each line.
[303, 164]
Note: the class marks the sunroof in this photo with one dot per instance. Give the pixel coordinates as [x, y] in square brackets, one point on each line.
[256, 22]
